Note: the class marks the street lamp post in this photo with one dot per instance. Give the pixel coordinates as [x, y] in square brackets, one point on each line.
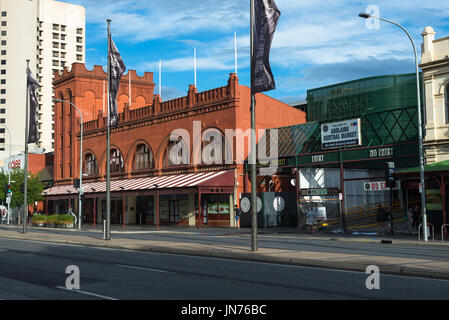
[80, 206]
[421, 153]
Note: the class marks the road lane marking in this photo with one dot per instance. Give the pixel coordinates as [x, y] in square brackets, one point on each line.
[142, 268]
[88, 293]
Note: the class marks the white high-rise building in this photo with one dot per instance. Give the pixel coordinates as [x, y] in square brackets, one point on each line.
[51, 35]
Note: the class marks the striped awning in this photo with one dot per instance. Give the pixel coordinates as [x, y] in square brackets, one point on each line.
[202, 179]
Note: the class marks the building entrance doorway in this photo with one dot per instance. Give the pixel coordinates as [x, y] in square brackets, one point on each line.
[116, 210]
[173, 211]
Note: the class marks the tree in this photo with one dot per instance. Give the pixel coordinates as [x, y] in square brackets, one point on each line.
[34, 188]
[3, 184]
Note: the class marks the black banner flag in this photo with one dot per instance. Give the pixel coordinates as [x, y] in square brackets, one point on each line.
[117, 68]
[32, 85]
[266, 16]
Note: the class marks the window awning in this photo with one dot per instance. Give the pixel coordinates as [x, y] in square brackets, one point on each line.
[436, 167]
[190, 180]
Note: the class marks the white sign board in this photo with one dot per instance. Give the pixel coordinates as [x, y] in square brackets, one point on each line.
[14, 162]
[379, 186]
[341, 134]
[320, 213]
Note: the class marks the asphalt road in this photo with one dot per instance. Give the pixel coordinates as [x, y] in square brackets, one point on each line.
[275, 241]
[34, 270]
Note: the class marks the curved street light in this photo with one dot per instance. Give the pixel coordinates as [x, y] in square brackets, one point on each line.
[365, 15]
[80, 206]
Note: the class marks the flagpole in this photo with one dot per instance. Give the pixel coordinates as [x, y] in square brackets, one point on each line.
[129, 78]
[103, 97]
[252, 162]
[107, 235]
[160, 79]
[235, 51]
[25, 191]
[194, 64]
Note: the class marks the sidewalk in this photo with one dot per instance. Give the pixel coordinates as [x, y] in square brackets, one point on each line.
[356, 262]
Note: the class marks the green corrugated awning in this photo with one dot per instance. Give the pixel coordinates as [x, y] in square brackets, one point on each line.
[440, 166]
[291, 139]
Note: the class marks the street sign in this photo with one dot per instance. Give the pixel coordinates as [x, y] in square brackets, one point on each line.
[378, 186]
[319, 192]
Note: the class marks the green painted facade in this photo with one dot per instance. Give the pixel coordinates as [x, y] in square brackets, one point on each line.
[387, 107]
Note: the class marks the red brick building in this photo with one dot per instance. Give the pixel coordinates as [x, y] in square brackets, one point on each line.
[149, 186]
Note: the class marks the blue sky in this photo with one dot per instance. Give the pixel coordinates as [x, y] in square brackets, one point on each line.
[317, 43]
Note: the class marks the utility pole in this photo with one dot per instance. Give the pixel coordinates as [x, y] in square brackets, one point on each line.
[25, 193]
[107, 234]
[252, 162]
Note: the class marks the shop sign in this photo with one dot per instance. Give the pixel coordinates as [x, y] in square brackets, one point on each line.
[319, 192]
[215, 208]
[15, 162]
[375, 186]
[341, 134]
[212, 208]
[275, 162]
[433, 199]
[379, 186]
[372, 153]
[381, 152]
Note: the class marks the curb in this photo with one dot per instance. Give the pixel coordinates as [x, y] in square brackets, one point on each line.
[257, 257]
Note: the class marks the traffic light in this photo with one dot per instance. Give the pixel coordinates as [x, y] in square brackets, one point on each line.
[389, 178]
[8, 187]
[22, 187]
[76, 183]
[83, 197]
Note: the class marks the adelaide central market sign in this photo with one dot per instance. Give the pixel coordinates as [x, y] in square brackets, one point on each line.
[341, 134]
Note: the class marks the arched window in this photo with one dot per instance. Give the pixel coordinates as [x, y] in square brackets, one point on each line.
[90, 165]
[174, 155]
[214, 148]
[143, 158]
[116, 161]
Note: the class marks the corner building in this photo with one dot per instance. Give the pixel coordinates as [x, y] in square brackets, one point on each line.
[148, 186]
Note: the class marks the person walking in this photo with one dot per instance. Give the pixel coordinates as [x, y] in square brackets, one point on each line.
[237, 216]
[310, 221]
[416, 218]
[381, 217]
[409, 217]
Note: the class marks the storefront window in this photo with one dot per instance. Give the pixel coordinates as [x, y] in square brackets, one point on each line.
[215, 208]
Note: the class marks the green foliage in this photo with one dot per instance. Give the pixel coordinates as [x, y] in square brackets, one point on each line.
[60, 219]
[64, 219]
[3, 184]
[38, 218]
[34, 188]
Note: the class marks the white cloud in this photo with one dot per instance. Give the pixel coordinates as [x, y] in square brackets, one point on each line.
[310, 33]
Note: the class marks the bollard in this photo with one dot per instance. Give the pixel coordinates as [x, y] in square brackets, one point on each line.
[104, 229]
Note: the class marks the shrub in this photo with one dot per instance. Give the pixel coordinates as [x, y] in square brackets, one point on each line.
[38, 218]
[64, 219]
[51, 219]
